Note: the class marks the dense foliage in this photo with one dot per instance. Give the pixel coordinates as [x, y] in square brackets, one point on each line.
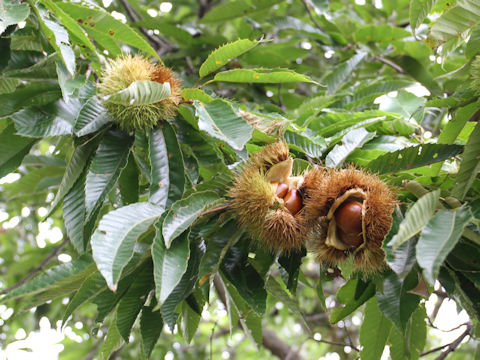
[126, 232]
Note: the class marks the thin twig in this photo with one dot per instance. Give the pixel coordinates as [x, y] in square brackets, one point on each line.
[451, 346]
[215, 209]
[337, 343]
[389, 63]
[310, 15]
[38, 269]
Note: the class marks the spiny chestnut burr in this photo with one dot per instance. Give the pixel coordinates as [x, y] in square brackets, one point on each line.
[349, 212]
[267, 199]
[119, 74]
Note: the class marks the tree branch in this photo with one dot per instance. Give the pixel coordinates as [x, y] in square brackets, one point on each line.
[38, 269]
[451, 346]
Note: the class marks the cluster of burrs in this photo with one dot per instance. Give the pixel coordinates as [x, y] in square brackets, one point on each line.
[336, 213]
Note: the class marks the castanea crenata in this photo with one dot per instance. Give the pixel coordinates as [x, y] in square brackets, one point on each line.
[349, 214]
[268, 200]
[119, 74]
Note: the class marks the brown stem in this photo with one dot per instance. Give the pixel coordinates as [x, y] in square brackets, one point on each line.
[389, 63]
[38, 268]
[338, 343]
[226, 206]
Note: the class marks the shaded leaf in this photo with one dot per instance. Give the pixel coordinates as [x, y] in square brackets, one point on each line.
[109, 159]
[438, 238]
[13, 149]
[151, 325]
[395, 302]
[353, 294]
[184, 212]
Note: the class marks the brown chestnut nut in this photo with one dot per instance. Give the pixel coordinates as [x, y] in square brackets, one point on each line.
[350, 239]
[293, 201]
[282, 190]
[349, 222]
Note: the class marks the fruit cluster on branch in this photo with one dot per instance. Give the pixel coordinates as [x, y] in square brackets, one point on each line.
[336, 214]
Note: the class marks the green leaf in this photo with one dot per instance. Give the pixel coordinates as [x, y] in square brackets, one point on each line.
[168, 171]
[113, 340]
[115, 237]
[353, 294]
[54, 119]
[128, 181]
[13, 149]
[132, 302]
[279, 290]
[406, 104]
[141, 92]
[69, 23]
[262, 76]
[184, 287]
[438, 238]
[225, 54]
[341, 72]
[457, 20]
[410, 345]
[237, 8]
[240, 311]
[169, 265]
[31, 182]
[404, 258]
[413, 157]
[33, 94]
[109, 159]
[151, 325]
[92, 117]
[103, 23]
[90, 288]
[354, 139]
[54, 278]
[221, 121]
[418, 11]
[57, 37]
[196, 94]
[217, 245]
[416, 218]
[312, 146]
[470, 165]
[191, 320]
[12, 13]
[395, 302]
[246, 279]
[380, 33]
[416, 70]
[75, 168]
[183, 213]
[374, 331]
[291, 263]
